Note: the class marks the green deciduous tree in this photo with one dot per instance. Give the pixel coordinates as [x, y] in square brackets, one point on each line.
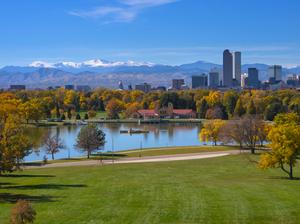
[53, 144]
[90, 138]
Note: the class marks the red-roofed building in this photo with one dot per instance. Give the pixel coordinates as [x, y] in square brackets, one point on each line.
[165, 112]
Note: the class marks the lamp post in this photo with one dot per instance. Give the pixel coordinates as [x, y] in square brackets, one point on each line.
[112, 149]
[141, 147]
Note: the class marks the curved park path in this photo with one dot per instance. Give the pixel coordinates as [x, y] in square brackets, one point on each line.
[148, 159]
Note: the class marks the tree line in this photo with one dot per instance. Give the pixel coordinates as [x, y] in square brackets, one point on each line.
[280, 140]
[209, 104]
[15, 143]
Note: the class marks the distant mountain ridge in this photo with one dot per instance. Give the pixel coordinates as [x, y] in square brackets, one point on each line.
[106, 73]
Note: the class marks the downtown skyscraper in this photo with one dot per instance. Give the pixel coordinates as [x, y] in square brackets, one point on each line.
[232, 68]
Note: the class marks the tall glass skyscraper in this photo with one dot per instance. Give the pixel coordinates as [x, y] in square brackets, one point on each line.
[275, 72]
[227, 68]
[232, 68]
[237, 64]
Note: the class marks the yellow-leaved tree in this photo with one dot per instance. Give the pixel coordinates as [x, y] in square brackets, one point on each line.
[14, 145]
[211, 131]
[284, 139]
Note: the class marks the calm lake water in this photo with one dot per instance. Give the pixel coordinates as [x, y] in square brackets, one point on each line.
[160, 135]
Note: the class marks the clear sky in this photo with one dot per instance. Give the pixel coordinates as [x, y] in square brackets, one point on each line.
[159, 31]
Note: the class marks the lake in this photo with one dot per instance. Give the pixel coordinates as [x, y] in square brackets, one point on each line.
[160, 135]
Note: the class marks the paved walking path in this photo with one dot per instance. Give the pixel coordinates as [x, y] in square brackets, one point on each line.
[148, 159]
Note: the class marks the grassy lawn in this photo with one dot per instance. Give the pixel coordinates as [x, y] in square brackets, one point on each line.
[219, 190]
[100, 114]
[175, 150]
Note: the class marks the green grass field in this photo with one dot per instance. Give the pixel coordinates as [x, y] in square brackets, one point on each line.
[219, 190]
[100, 114]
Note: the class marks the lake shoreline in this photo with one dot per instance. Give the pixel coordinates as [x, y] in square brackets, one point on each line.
[118, 121]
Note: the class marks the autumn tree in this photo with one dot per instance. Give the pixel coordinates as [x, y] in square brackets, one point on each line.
[22, 213]
[251, 126]
[214, 98]
[202, 107]
[251, 108]
[239, 109]
[114, 108]
[131, 109]
[14, 145]
[272, 110]
[229, 100]
[284, 141]
[294, 105]
[90, 138]
[211, 131]
[32, 110]
[91, 114]
[72, 100]
[231, 132]
[53, 144]
[285, 119]
[215, 113]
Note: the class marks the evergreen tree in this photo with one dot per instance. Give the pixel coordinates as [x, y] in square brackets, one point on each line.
[78, 117]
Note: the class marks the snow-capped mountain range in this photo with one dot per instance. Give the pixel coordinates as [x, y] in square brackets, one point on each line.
[107, 73]
[86, 64]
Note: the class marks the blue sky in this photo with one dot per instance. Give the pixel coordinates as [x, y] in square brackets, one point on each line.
[159, 31]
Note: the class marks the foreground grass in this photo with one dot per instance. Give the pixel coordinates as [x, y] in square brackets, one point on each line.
[219, 190]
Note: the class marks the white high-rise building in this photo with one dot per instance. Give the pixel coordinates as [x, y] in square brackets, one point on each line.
[244, 80]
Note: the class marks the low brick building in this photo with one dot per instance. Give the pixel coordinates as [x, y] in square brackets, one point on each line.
[165, 113]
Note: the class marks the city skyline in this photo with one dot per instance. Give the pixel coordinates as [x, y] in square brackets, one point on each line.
[159, 31]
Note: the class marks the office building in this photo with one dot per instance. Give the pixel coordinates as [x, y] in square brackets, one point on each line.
[120, 85]
[231, 68]
[83, 88]
[227, 68]
[213, 79]
[253, 81]
[293, 80]
[199, 81]
[145, 87]
[160, 88]
[275, 73]
[177, 84]
[17, 87]
[244, 80]
[237, 67]
[69, 87]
